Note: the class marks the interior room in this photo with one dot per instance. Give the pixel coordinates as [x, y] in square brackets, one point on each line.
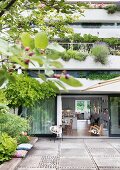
[84, 115]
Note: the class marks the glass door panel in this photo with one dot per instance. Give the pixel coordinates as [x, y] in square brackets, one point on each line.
[42, 116]
[114, 116]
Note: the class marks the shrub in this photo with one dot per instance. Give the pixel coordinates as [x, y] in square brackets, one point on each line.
[100, 53]
[88, 38]
[101, 76]
[77, 38]
[12, 124]
[22, 139]
[111, 9]
[4, 108]
[8, 146]
[77, 55]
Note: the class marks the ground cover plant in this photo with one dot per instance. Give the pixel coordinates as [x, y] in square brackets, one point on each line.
[8, 146]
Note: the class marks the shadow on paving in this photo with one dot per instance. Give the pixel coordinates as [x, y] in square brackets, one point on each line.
[73, 154]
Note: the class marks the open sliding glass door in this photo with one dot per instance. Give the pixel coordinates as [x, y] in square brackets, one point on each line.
[114, 108]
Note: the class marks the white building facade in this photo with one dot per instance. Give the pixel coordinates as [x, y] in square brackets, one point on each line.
[73, 109]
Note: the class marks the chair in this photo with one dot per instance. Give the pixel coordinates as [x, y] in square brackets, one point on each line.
[57, 130]
[96, 130]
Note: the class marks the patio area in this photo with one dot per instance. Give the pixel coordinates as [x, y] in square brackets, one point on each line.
[73, 154]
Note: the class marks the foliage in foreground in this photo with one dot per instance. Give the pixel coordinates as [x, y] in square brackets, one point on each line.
[36, 49]
[29, 15]
[8, 146]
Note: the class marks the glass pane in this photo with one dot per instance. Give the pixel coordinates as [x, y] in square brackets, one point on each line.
[42, 116]
[115, 115]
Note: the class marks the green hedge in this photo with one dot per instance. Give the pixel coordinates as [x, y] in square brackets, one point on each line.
[100, 76]
[88, 38]
[73, 54]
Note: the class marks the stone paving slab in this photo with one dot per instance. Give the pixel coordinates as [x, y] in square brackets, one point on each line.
[79, 169]
[108, 162]
[104, 152]
[73, 140]
[43, 152]
[74, 153]
[71, 145]
[48, 162]
[98, 145]
[31, 162]
[44, 145]
[37, 169]
[76, 163]
[116, 145]
[110, 168]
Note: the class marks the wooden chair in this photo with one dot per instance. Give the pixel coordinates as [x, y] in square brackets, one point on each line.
[96, 130]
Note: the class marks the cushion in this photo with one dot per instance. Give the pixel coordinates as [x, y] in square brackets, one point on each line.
[24, 146]
[20, 154]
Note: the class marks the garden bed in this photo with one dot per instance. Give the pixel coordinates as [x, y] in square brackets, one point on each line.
[14, 162]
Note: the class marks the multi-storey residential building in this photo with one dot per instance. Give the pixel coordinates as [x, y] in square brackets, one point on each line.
[74, 109]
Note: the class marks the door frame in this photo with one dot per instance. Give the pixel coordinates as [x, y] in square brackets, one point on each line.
[111, 95]
[96, 94]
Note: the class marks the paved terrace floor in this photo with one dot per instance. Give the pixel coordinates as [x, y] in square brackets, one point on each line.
[73, 154]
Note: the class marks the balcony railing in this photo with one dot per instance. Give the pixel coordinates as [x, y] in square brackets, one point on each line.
[86, 47]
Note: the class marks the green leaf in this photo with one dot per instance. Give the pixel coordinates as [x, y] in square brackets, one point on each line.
[56, 64]
[2, 80]
[60, 84]
[71, 81]
[41, 40]
[3, 44]
[42, 76]
[4, 48]
[32, 44]
[52, 54]
[48, 71]
[37, 59]
[18, 61]
[54, 86]
[26, 39]
[3, 77]
[56, 47]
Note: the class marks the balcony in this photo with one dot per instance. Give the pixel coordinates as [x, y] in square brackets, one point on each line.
[86, 47]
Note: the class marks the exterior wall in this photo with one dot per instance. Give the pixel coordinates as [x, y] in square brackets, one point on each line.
[101, 33]
[99, 16]
[93, 1]
[88, 64]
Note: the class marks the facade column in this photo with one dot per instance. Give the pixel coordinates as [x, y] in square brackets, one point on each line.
[59, 111]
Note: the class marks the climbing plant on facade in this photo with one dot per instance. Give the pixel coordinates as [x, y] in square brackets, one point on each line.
[26, 91]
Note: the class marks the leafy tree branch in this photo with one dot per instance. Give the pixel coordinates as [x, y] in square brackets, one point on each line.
[7, 7]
